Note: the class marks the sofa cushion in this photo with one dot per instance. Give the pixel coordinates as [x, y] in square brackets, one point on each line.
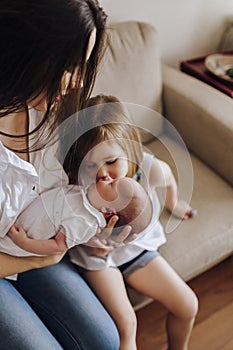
[131, 69]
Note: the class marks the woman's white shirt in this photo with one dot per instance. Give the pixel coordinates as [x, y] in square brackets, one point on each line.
[37, 197]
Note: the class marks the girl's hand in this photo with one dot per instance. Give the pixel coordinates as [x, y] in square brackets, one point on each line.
[183, 211]
[125, 236]
[98, 245]
[99, 248]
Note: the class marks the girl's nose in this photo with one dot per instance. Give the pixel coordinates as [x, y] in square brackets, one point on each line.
[103, 173]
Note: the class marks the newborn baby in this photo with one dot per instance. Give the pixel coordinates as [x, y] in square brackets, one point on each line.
[64, 208]
[124, 197]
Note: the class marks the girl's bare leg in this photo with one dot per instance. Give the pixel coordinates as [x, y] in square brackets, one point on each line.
[109, 286]
[160, 282]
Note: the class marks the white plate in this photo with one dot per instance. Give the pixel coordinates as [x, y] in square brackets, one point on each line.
[218, 64]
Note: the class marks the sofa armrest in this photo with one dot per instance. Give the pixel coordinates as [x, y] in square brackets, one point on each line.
[203, 116]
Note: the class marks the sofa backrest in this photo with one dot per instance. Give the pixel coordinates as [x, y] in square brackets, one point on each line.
[131, 70]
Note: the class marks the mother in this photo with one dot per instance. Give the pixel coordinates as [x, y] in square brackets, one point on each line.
[49, 49]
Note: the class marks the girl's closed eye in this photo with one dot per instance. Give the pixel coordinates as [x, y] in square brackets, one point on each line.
[109, 162]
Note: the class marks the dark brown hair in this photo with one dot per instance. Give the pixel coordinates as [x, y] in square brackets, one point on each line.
[39, 41]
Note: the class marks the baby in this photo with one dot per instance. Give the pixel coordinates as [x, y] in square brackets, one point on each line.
[124, 197]
[59, 208]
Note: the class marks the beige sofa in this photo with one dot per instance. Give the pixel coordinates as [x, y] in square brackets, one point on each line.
[132, 70]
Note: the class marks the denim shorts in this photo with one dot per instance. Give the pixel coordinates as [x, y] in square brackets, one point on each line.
[131, 266]
[138, 262]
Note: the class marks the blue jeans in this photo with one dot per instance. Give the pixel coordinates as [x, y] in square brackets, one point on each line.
[53, 308]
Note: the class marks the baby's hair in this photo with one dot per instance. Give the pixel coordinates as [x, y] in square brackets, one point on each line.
[130, 202]
[104, 118]
[138, 212]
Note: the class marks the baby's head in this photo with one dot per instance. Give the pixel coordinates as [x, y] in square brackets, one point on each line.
[127, 198]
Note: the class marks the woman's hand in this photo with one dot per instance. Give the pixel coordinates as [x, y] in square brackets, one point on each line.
[48, 260]
[10, 265]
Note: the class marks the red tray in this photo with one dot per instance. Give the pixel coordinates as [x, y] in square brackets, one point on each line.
[197, 69]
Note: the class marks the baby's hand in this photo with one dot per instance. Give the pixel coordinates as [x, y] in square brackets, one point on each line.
[183, 211]
[55, 245]
[18, 235]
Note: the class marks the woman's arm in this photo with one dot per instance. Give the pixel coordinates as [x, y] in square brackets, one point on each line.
[10, 265]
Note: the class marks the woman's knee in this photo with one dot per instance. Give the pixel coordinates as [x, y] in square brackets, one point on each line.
[108, 341]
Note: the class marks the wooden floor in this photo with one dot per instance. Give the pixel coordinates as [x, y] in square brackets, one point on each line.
[213, 328]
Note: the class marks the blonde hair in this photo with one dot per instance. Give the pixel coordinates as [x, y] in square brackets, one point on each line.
[104, 118]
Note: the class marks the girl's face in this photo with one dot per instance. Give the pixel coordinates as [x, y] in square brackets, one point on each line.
[106, 162]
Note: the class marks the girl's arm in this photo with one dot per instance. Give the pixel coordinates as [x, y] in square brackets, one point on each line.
[51, 246]
[162, 176]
